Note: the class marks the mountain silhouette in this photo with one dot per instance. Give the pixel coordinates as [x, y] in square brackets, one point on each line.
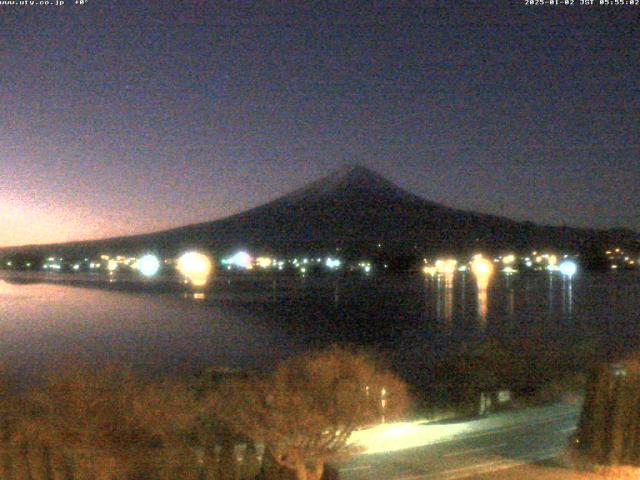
[354, 211]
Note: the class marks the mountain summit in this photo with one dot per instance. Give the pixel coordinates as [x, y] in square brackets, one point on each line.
[349, 181]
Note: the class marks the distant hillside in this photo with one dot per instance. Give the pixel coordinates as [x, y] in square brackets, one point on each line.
[355, 211]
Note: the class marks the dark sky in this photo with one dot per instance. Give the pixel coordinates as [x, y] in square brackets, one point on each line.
[122, 117]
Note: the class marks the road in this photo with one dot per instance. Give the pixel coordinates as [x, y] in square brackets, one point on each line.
[463, 449]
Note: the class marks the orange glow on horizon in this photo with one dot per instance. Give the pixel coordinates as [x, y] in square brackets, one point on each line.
[27, 223]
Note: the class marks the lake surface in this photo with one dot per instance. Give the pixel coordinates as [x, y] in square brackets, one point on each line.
[249, 322]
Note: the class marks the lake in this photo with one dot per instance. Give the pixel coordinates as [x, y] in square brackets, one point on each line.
[50, 321]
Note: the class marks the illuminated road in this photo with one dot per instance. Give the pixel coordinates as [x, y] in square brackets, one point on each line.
[462, 450]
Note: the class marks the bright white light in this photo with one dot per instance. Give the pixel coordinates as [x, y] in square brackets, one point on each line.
[568, 268]
[332, 262]
[240, 259]
[148, 265]
[391, 437]
[196, 267]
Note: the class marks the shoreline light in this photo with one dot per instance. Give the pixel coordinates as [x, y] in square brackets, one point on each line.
[568, 268]
[508, 259]
[196, 267]
[240, 259]
[148, 265]
[446, 266]
[332, 263]
[430, 270]
[264, 262]
[483, 270]
[481, 267]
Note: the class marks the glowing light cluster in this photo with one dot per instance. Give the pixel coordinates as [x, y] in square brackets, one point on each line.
[148, 265]
[264, 262]
[483, 270]
[508, 259]
[332, 263]
[430, 270]
[481, 267]
[196, 268]
[240, 259]
[366, 266]
[446, 266]
[568, 268]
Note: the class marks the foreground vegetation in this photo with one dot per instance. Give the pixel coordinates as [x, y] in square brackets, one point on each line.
[113, 425]
[289, 423]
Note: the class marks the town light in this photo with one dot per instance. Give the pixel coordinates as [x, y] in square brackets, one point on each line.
[508, 259]
[240, 259]
[568, 268]
[148, 265]
[481, 267]
[428, 270]
[264, 262]
[332, 263]
[447, 266]
[196, 267]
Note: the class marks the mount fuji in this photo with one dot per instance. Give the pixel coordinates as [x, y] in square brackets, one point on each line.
[354, 211]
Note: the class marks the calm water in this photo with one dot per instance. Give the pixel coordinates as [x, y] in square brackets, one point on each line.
[243, 322]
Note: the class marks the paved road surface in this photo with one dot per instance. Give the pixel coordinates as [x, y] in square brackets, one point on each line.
[464, 449]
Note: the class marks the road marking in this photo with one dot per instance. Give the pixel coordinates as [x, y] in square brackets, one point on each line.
[472, 450]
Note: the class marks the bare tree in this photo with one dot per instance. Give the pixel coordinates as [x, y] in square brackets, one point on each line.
[306, 410]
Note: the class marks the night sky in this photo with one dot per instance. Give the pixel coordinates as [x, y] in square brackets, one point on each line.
[127, 117]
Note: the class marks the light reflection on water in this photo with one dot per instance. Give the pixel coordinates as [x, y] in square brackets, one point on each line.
[537, 305]
[43, 325]
[245, 322]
